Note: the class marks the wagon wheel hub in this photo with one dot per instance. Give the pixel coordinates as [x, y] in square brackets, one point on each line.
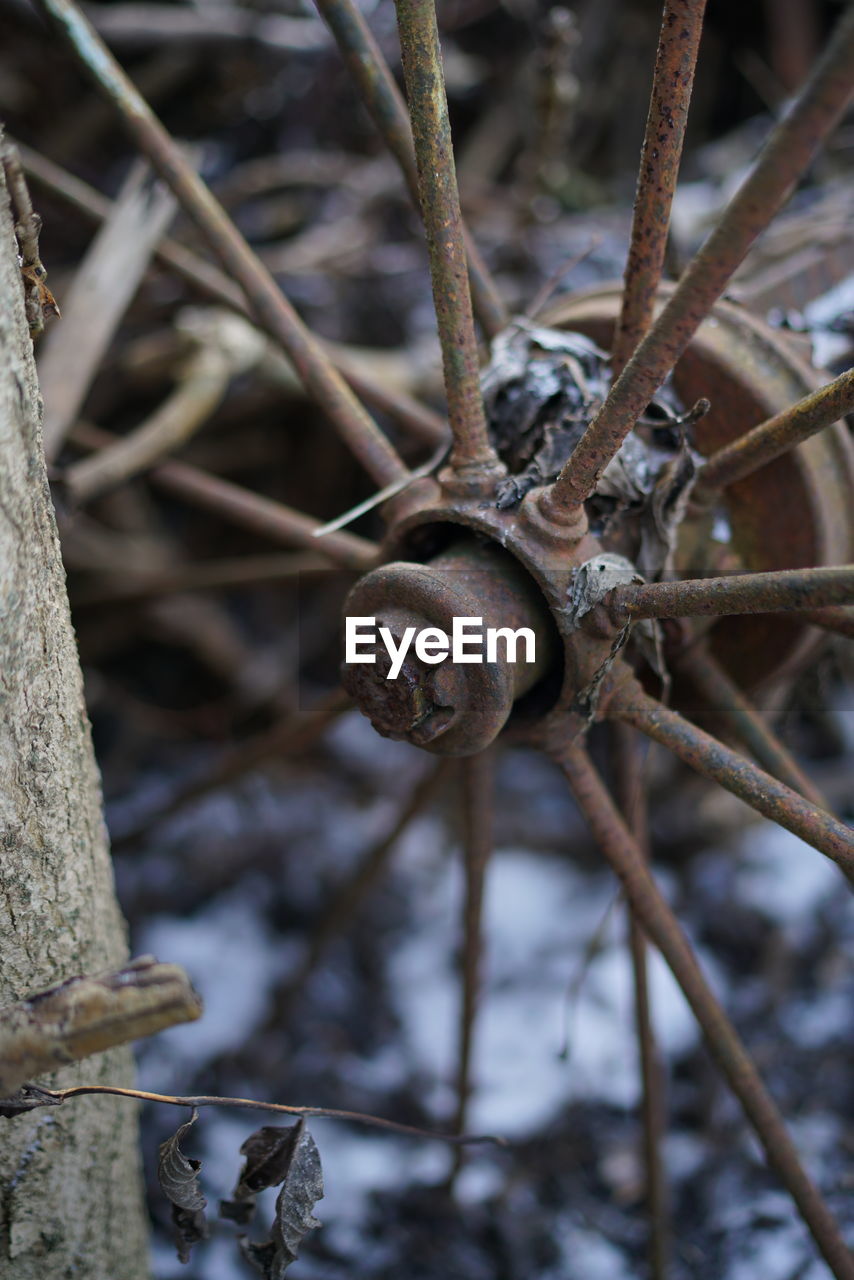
[457, 556]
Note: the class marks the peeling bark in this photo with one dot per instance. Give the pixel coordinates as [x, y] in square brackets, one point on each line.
[70, 1191]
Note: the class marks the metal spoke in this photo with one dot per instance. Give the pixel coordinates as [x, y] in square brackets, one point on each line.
[838, 620]
[352, 893]
[660, 924]
[782, 589]
[628, 768]
[751, 784]
[208, 280]
[726, 699]
[117, 585]
[440, 206]
[267, 302]
[673, 80]
[785, 157]
[264, 516]
[385, 103]
[417, 418]
[478, 779]
[293, 736]
[776, 436]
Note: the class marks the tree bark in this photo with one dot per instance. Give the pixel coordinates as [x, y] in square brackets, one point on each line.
[70, 1188]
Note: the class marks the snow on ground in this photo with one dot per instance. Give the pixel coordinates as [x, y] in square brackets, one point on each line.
[586, 1254]
[539, 916]
[233, 962]
[541, 911]
[821, 313]
[782, 878]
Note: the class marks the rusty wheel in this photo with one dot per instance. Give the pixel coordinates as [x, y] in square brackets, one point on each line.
[675, 538]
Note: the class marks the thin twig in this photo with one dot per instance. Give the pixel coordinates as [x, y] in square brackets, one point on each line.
[552, 282]
[252, 1104]
[350, 895]
[39, 302]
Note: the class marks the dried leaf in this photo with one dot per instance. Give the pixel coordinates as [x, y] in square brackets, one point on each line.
[666, 510]
[296, 1163]
[541, 389]
[629, 476]
[178, 1177]
[269, 1152]
[178, 1174]
[592, 581]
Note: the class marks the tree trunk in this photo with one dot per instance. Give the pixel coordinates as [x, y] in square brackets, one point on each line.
[70, 1189]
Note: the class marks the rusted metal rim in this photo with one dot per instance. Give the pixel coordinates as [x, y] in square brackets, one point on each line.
[795, 512]
[791, 514]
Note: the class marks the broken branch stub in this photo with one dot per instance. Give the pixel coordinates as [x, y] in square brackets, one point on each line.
[88, 1014]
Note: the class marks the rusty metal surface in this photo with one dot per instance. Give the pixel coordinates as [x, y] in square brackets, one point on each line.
[466, 559]
[777, 435]
[659, 922]
[440, 207]
[786, 155]
[448, 708]
[262, 515]
[838, 620]
[425, 523]
[267, 302]
[757, 788]
[749, 369]
[248, 510]
[478, 788]
[740, 593]
[383, 100]
[673, 80]
[576, 653]
[727, 701]
[795, 512]
[211, 282]
[629, 786]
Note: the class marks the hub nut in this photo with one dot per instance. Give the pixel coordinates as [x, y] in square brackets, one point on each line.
[449, 708]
